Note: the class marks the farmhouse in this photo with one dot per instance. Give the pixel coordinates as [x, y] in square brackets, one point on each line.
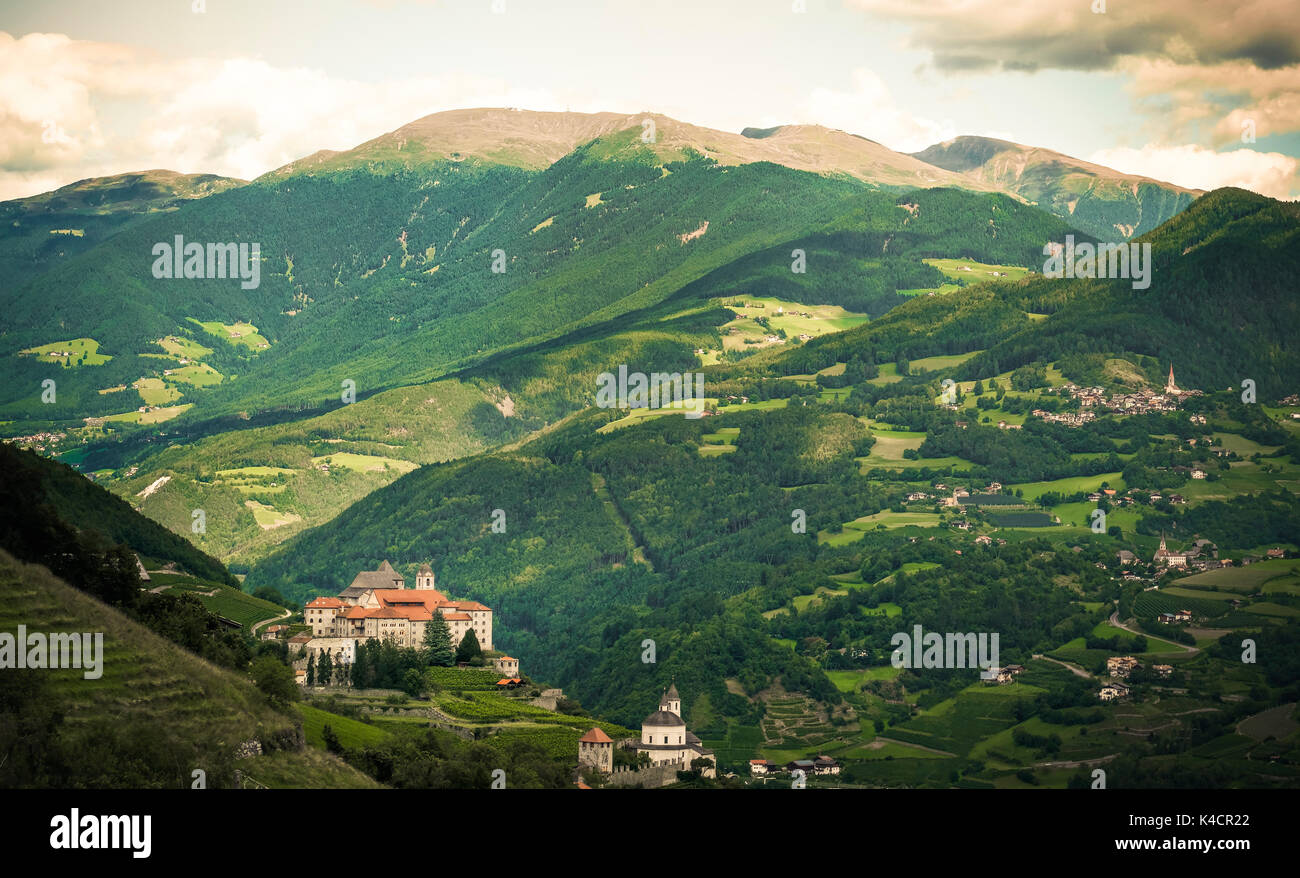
[826, 765]
[1113, 691]
[1121, 666]
[760, 767]
[378, 605]
[1003, 675]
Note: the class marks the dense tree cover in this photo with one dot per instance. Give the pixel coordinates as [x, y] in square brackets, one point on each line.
[36, 490]
[710, 530]
[1246, 520]
[1010, 590]
[428, 759]
[1228, 260]
[401, 226]
[1011, 455]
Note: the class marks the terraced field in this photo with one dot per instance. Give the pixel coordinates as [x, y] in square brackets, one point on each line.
[190, 710]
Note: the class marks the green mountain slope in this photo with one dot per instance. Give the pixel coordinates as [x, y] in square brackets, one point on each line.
[1102, 202]
[1219, 305]
[44, 230]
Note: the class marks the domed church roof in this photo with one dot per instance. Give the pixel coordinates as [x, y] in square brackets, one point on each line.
[663, 718]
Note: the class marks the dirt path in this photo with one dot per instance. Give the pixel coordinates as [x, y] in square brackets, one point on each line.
[1097, 761]
[1077, 671]
[913, 746]
[284, 614]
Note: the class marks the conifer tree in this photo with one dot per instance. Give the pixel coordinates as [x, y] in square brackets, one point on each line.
[437, 642]
[469, 647]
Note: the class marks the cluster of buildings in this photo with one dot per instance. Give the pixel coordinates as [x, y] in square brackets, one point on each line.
[1070, 419]
[1133, 496]
[1136, 402]
[664, 739]
[1200, 555]
[1118, 668]
[823, 765]
[379, 606]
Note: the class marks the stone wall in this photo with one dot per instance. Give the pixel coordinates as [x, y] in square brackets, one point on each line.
[652, 776]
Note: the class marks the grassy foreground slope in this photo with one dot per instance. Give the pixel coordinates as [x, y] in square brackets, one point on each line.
[157, 714]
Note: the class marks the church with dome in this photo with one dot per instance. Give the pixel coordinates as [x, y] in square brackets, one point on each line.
[664, 736]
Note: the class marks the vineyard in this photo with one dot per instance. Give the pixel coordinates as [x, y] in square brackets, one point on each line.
[1150, 604]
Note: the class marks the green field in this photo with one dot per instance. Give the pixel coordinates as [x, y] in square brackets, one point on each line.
[72, 353]
[352, 734]
[186, 348]
[364, 462]
[155, 416]
[197, 374]
[936, 364]
[854, 530]
[154, 392]
[1246, 579]
[792, 318]
[970, 271]
[1071, 485]
[245, 334]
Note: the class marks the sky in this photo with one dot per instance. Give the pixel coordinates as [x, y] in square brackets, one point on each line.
[1202, 94]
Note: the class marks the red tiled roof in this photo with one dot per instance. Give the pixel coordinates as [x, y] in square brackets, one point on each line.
[596, 736]
[429, 597]
[456, 617]
[325, 602]
[413, 613]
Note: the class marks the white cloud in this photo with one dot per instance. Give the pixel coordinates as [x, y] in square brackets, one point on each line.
[869, 110]
[239, 117]
[1268, 173]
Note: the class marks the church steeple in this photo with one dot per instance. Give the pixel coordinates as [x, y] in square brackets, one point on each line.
[671, 701]
[1170, 386]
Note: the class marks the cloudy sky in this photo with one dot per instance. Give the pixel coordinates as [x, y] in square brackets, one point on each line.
[1165, 88]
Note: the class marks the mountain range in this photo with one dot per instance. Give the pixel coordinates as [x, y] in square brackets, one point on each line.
[435, 309]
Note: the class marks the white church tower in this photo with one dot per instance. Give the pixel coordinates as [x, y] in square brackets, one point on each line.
[671, 702]
[424, 578]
